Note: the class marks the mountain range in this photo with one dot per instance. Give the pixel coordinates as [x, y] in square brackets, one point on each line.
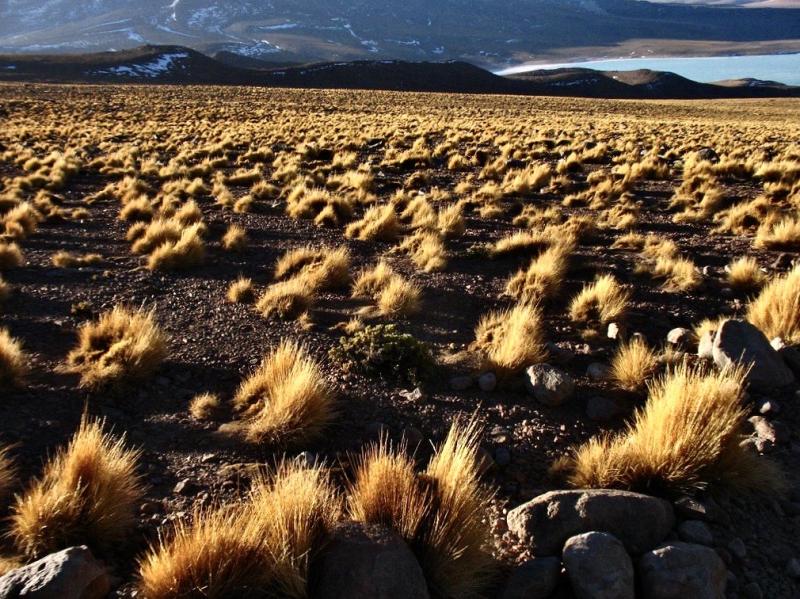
[184, 66]
[490, 33]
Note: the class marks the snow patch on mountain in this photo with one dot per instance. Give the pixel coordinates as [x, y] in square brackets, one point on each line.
[160, 65]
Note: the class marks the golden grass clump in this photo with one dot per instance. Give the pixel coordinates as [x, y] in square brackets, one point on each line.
[241, 291]
[8, 474]
[5, 289]
[399, 297]
[288, 300]
[780, 235]
[14, 362]
[370, 281]
[519, 243]
[601, 302]
[321, 205]
[287, 400]
[426, 250]
[87, 494]
[262, 547]
[64, 259]
[188, 250]
[776, 310]
[450, 221]
[543, 277]
[511, 340]
[686, 436]
[122, 345]
[632, 365]
[676, 273]
[205, 406]
[318, 268]
[21, 221]
[744, 274]
[235, 239]
[441, 513]
[10, 256]
[135, 210]
[379, 223]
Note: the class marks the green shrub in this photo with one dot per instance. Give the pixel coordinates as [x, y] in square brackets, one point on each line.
[383, 351]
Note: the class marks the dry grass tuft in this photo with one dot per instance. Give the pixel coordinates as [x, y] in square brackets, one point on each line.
[241, 291]
[427, 250]
[14, 362]
[122, 345]
[776, 310]
[686, 436]
[262, 547]
[87, 495]
[379, 223]
[372, 280]
[235, 239]
[288, 300]
[543, 277]
[632, 365]
[781, 235]
[318, 268]
[399, 297]
[601, 302]
[744, 274]
[63, 259]
[10, 256]
[441, 513]
[512, 339]
[287, 400]
[676, 273]
[206, 406]
[8, 474]
[188, 250]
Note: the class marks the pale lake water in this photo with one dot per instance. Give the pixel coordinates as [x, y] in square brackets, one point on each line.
[784, 68]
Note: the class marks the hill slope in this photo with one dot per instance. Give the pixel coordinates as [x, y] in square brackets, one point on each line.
[180, 65]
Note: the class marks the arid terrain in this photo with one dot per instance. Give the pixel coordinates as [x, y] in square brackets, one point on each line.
[495, 233]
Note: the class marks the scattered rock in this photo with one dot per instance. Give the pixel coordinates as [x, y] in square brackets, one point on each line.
[695, 531]
[185, 487]
[738, 548]
[309, 459]
[752, 590]
[682, 570]
[545, 523]
[460, 383]
[73, 573]
[772, 432]
[705, 346]
[708, 154]
[615, 331]
[537, 578]
[597, 371]
[705, 509]
[739, 342]
[368, 561]
[502, 456]
[415, 395]
[601, 409]
[769, 407]
[598, 567]
[784, 261]
[792, 568]
[413, 437]
[679, 337]
[487, 381]
[559, 355]
[549, 385]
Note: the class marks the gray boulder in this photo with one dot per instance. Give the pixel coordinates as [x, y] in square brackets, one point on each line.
[598, 567]
[739, 342]
[545, 523]
[682, 570]
[72, 573]
[368, 561]
[537, 578]
[695, 531]
[549, 385]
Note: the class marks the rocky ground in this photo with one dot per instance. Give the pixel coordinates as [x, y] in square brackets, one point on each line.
[214, 344]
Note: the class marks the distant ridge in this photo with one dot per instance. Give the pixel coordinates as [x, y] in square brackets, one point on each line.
[184, 66]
